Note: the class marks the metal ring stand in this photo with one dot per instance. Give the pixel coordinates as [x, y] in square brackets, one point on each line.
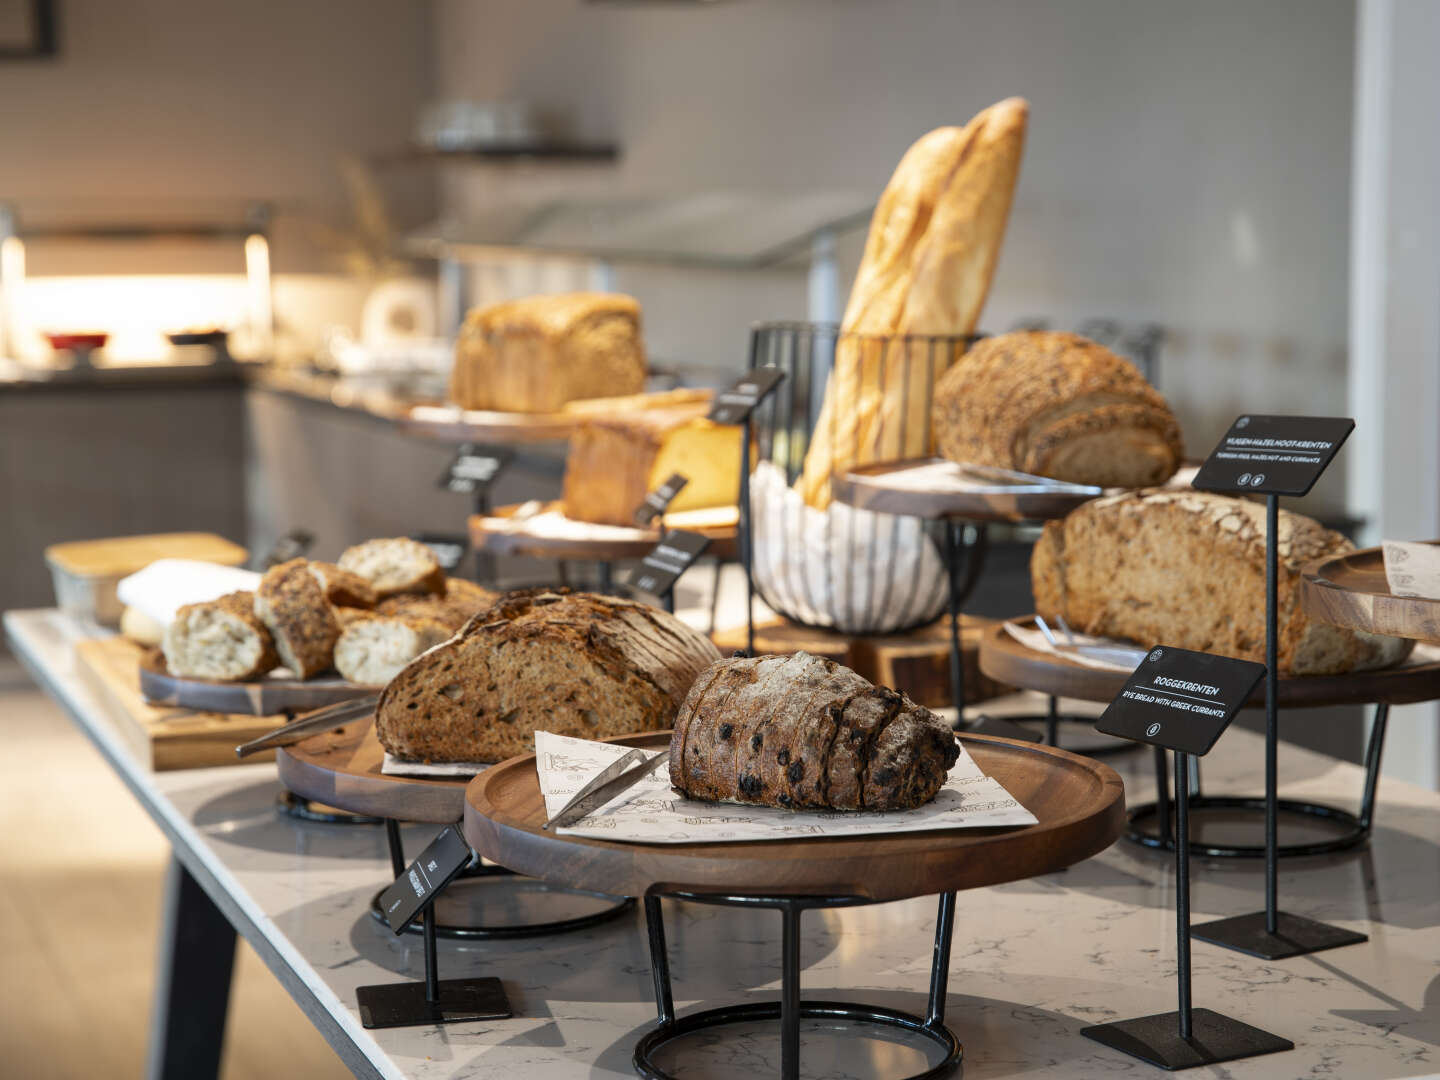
[1052, 721]
[790, 1009]
[491, 933]
[290, 805]
[1357, 826]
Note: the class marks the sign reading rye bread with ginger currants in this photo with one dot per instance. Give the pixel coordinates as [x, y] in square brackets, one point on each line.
[1273, 455]
[1181, 700]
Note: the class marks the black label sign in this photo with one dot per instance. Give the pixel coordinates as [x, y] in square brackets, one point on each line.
[474, 469]
[658, 500]
[449, 550]
[427, 875]
[1181, 700]
[734, 406]
[676, 553]
[293, 545]
[1273, 455]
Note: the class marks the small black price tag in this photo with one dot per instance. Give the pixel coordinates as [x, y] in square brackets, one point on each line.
[672, 556]
[446, 856]
[1273, 455]
[293, 545]
[1181, 700]
[656, 502]
[474, 469]
[734, 405]
[449, 549]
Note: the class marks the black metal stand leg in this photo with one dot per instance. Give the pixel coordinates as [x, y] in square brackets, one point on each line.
[1182, 891]
[746, 541]
[1052, 722]
[432, 963]
[715, 595]
[1162, 797]
[940, 964]
[1374, 748]
[607, 576]
[790, 993]
[396, 845]
[957, 656]
[659, 961]
[197, 956]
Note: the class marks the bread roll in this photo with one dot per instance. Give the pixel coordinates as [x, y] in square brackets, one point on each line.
[571, 663]
[929, 258]
[1056, 405]
[373, 649]
[395, 566]
[292, 605]
[462, 600]
[804, 733]
[219, 639]
[342, 587]
[1187, 568]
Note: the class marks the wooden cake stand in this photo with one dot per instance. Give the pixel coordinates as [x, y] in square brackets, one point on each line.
[1080, 804]
[551, 535]
[1352, 591]
[1004, 658]
[341, 768]
[450, 423]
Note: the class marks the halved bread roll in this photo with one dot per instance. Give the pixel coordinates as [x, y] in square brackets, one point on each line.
[373, 649]
[398, 565]
[219, 639]
[343, 588]
[292, 605]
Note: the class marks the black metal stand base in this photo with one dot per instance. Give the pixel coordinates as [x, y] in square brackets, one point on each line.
[1355, 830]
[405, 1004]
[1213, 1038]
[1295, 935]
[290, 805]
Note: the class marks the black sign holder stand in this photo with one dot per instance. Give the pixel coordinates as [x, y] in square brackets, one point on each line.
[1272, 934]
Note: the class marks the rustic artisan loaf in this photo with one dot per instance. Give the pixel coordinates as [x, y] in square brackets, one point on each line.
[930, 255]
[541, 659]
[343, 587]
[292, 605]
[219, 639]
[804, 733]
[462, 600]
[372, 649]
[1187, 568]
[1056, 405]
[535, 354]
[397, 565]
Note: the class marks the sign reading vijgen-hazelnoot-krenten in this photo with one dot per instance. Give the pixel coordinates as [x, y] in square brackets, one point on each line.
[1273, 455]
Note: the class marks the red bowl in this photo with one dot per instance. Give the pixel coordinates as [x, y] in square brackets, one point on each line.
[77, 341]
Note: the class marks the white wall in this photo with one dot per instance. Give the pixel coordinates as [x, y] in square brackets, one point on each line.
[1187, 163]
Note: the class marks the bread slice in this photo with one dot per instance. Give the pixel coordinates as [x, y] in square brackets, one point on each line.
[343, 588]
[373, 649]
[1187, 568]
[292, 605]
[219, 639]
[395, 566]
[572, 663]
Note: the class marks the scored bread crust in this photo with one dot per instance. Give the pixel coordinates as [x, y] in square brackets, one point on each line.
[343, 588]
[1187, 568]
[1058, 405]
[219, 639]
[395, 566]
[575, 664]
[291, 604]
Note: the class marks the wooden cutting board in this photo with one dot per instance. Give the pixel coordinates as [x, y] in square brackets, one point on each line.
[165, 737]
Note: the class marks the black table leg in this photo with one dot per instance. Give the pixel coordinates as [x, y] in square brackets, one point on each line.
[197, 956]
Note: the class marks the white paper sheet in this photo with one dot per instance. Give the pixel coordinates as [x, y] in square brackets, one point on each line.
[435, 770]
[652, 813]
[1412, 569]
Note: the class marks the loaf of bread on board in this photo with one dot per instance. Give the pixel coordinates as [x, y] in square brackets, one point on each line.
[292, 605]
[219, 639]
[576, 664]
[535, 354]
[1056, 405]
[805, 733]
[1187, 568]
[929, 258]
[374, 648]
[396, 565]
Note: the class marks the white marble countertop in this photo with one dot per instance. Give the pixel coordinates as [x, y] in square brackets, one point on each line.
[1033, 961]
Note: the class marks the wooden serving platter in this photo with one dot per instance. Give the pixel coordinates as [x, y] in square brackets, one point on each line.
[551, 535]
[938, 488]
[264, 697]
[165, 737]
[449, 423]
[1080, 804]
[1004, 658]
[1352, 591]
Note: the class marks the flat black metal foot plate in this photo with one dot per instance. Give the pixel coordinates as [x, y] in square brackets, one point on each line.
[404, 1004]
[1213, 1038]
[1295, 935]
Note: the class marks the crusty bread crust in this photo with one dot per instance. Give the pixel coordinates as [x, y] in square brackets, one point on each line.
[462, 601]
[1187, 568]
[342, 588]
[395, 566]
[293, 608]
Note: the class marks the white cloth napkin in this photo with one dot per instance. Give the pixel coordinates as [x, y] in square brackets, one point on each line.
[166, 585]
[1412, 569]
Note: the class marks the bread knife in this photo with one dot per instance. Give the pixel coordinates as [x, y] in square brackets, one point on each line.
[613, 779]
[318, 721]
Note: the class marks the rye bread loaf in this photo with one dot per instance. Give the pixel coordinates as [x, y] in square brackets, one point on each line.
[805, 733]
[1187, 568]
[219, 639]
[394, 566]
[542, 659]
[1056, 405]
[373, 648]
[292, 605]
[342, 587]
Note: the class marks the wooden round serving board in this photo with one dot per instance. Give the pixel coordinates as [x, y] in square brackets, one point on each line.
[937, 488]
[496, 534]
[1007, 660]
[447, 423]
[264, 697]
[1080, 804]
[1352, 591]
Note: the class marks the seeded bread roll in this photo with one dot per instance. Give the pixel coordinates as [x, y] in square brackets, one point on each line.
[292, 605]
[373, 649]
[548, 659]
[803, 732]
[395, 566]
[343, 588]
[462, 601]
[219, 639]
[1187, 568]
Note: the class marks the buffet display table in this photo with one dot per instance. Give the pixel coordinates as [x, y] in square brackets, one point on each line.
[1033, 961]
